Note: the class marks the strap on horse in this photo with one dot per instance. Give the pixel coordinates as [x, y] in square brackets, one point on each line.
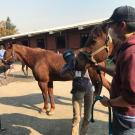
[98, 97]
[98, 72]
[109, 117]
[93, 61]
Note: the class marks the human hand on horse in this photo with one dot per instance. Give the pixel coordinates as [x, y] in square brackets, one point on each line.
[105, 101]
[96, 67]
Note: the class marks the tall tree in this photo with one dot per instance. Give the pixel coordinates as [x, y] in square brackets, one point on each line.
[7, 28]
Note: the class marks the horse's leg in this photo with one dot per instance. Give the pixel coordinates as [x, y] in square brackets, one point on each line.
[44, 86]
[23, 69]
[5, 74]
[23, 65]
[26, 70]
[7, 70]
[51, 96]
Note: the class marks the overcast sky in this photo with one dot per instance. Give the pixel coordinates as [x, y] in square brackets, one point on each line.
[31, 15]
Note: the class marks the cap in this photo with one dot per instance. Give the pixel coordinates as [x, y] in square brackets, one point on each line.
[122, 13]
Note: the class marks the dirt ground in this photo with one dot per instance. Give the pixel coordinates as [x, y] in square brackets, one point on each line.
[20, 100]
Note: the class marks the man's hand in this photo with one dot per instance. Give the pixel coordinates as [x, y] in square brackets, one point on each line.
[105, 101]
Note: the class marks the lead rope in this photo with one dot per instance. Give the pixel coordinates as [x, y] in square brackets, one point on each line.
[1, 129]
[109, 117]
[100, 82]
[98, 97]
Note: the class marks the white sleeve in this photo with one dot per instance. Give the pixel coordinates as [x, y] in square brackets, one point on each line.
[87, 76]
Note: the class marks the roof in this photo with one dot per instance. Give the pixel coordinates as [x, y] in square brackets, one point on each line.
[53, 30]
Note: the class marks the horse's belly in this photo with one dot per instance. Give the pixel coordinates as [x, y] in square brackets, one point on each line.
[60, 78]
[41, 76]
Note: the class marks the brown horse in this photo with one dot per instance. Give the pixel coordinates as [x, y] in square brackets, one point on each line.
[98, 37]
[46, 65]
[100, 46]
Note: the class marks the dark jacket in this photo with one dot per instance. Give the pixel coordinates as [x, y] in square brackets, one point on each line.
[123, 83]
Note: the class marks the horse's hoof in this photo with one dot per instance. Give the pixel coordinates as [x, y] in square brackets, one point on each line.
[51, 112]
[44, 110]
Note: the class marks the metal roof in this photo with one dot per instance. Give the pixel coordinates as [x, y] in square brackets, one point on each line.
[55, 29]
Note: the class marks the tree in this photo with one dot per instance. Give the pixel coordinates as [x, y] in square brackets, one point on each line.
[7, 28]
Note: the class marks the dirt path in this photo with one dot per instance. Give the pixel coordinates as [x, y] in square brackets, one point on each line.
[21, 99]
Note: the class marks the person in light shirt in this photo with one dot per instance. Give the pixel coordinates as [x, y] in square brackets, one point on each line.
[82, 90]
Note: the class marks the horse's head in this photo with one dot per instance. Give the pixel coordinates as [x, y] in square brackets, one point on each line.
[9, 55]
[99, 44]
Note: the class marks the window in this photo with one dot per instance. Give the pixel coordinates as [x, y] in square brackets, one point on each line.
[40, 43]
[60, 42]
[25, 42]
[83, 39]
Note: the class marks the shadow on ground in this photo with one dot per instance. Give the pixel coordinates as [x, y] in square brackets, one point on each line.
[30, 101]
[20, 124]
[15, 78]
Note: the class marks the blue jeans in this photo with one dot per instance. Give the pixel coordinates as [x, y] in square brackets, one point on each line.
[118, 129]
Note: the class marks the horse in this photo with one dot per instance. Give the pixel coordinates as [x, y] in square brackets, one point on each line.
[97, 39]
[46, 65]
[100, 46]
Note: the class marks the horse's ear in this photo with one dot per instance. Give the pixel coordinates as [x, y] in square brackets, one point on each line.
[9, 45]
[104, 27]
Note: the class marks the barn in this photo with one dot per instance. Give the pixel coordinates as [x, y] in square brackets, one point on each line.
[57, 39]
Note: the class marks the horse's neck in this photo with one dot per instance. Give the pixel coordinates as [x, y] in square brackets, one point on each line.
[25, 55]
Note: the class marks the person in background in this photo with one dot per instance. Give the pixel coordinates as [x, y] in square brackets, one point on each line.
[5, 67]
[82, 89]
[2, 51]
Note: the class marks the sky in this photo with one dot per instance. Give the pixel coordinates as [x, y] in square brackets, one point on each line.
[32, 15]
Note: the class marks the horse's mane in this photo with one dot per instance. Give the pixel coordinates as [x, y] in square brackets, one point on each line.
[37, 49]
[97, 31]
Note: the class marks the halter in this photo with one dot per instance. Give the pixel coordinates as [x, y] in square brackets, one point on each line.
[105, 46]
[13, 57]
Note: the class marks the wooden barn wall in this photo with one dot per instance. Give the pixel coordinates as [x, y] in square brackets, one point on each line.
[51, 44]
[72, 39]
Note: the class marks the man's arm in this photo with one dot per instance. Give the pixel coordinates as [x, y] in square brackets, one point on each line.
[116, 102]
[119, 102]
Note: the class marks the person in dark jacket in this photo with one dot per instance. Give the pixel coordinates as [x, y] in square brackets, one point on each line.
[122, 96]
[3, 67]
[82, 89]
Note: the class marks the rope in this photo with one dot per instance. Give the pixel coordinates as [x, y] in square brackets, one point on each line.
[109, 110]
[101, 81]
[98, 97]
[2, 129]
